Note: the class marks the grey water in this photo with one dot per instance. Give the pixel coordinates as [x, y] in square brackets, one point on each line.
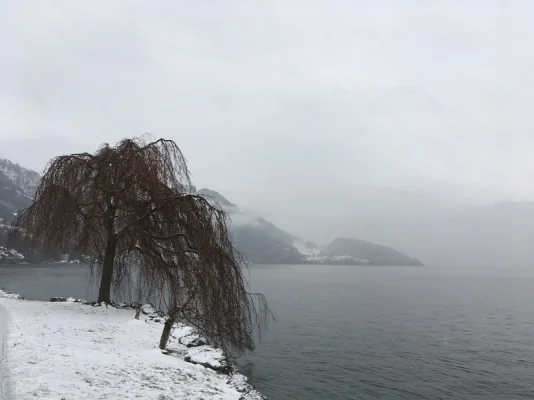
[371, 332]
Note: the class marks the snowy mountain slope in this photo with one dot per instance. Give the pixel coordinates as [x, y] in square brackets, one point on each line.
[12, 198]
[309, 250]
[223, 202]
[258, 239]
[264, 243]
[25, 179]
[17, 187]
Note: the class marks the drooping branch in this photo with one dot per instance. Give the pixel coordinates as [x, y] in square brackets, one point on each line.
[132, 210]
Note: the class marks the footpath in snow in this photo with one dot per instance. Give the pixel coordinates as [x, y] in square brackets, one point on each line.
[3, 331]
[68, 350]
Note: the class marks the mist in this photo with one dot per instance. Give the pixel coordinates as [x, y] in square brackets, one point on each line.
[403, 123]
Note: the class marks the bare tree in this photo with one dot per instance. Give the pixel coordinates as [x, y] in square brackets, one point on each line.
[132, 210]
[198, 274]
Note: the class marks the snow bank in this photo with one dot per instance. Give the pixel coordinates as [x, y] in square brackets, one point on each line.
[7, 295]
[10, 255]
[3, 330]
[68, 350]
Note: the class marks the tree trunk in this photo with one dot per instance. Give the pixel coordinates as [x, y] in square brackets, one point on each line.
[104, 293]
[167, 329]
[173, 314]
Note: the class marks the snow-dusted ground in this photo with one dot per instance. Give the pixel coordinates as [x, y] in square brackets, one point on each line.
[3, 331]
[69, 350]
[10, 254]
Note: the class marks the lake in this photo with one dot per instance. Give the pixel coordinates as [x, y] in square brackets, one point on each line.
[371, 332]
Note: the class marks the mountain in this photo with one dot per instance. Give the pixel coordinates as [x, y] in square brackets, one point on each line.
[442, 233]
[264, 243]
[375, 254]
[494, 235]
[223, 202]
[17, 187]
[26, 179]
[261, 241]
[258, 239]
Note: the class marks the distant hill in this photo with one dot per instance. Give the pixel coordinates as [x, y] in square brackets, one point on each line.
[259, 240]
[17, 187]
[222, 201]
[264, 243]
[375, 254]
[26, 179]
[494, 235]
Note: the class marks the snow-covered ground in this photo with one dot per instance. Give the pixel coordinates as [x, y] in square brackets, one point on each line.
[67, 350]
[3, 331]
[10, 255]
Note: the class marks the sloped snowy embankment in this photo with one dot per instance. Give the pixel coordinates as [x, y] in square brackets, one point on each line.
[68, 350]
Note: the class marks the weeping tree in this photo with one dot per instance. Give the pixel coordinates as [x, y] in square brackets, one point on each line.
[131, 208]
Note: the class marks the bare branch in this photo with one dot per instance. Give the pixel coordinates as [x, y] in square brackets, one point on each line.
[130, 208]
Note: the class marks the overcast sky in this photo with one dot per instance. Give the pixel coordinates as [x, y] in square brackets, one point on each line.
[269, 99]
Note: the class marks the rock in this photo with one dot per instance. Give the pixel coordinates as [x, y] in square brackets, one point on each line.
[148, 309]
[68, 300]
[240, 383]
[224, 368]
[123, 305]
[193, 341]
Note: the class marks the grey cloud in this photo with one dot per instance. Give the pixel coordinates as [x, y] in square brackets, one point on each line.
[280, 104]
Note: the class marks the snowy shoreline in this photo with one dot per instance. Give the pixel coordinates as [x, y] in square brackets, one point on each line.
[69, 350]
